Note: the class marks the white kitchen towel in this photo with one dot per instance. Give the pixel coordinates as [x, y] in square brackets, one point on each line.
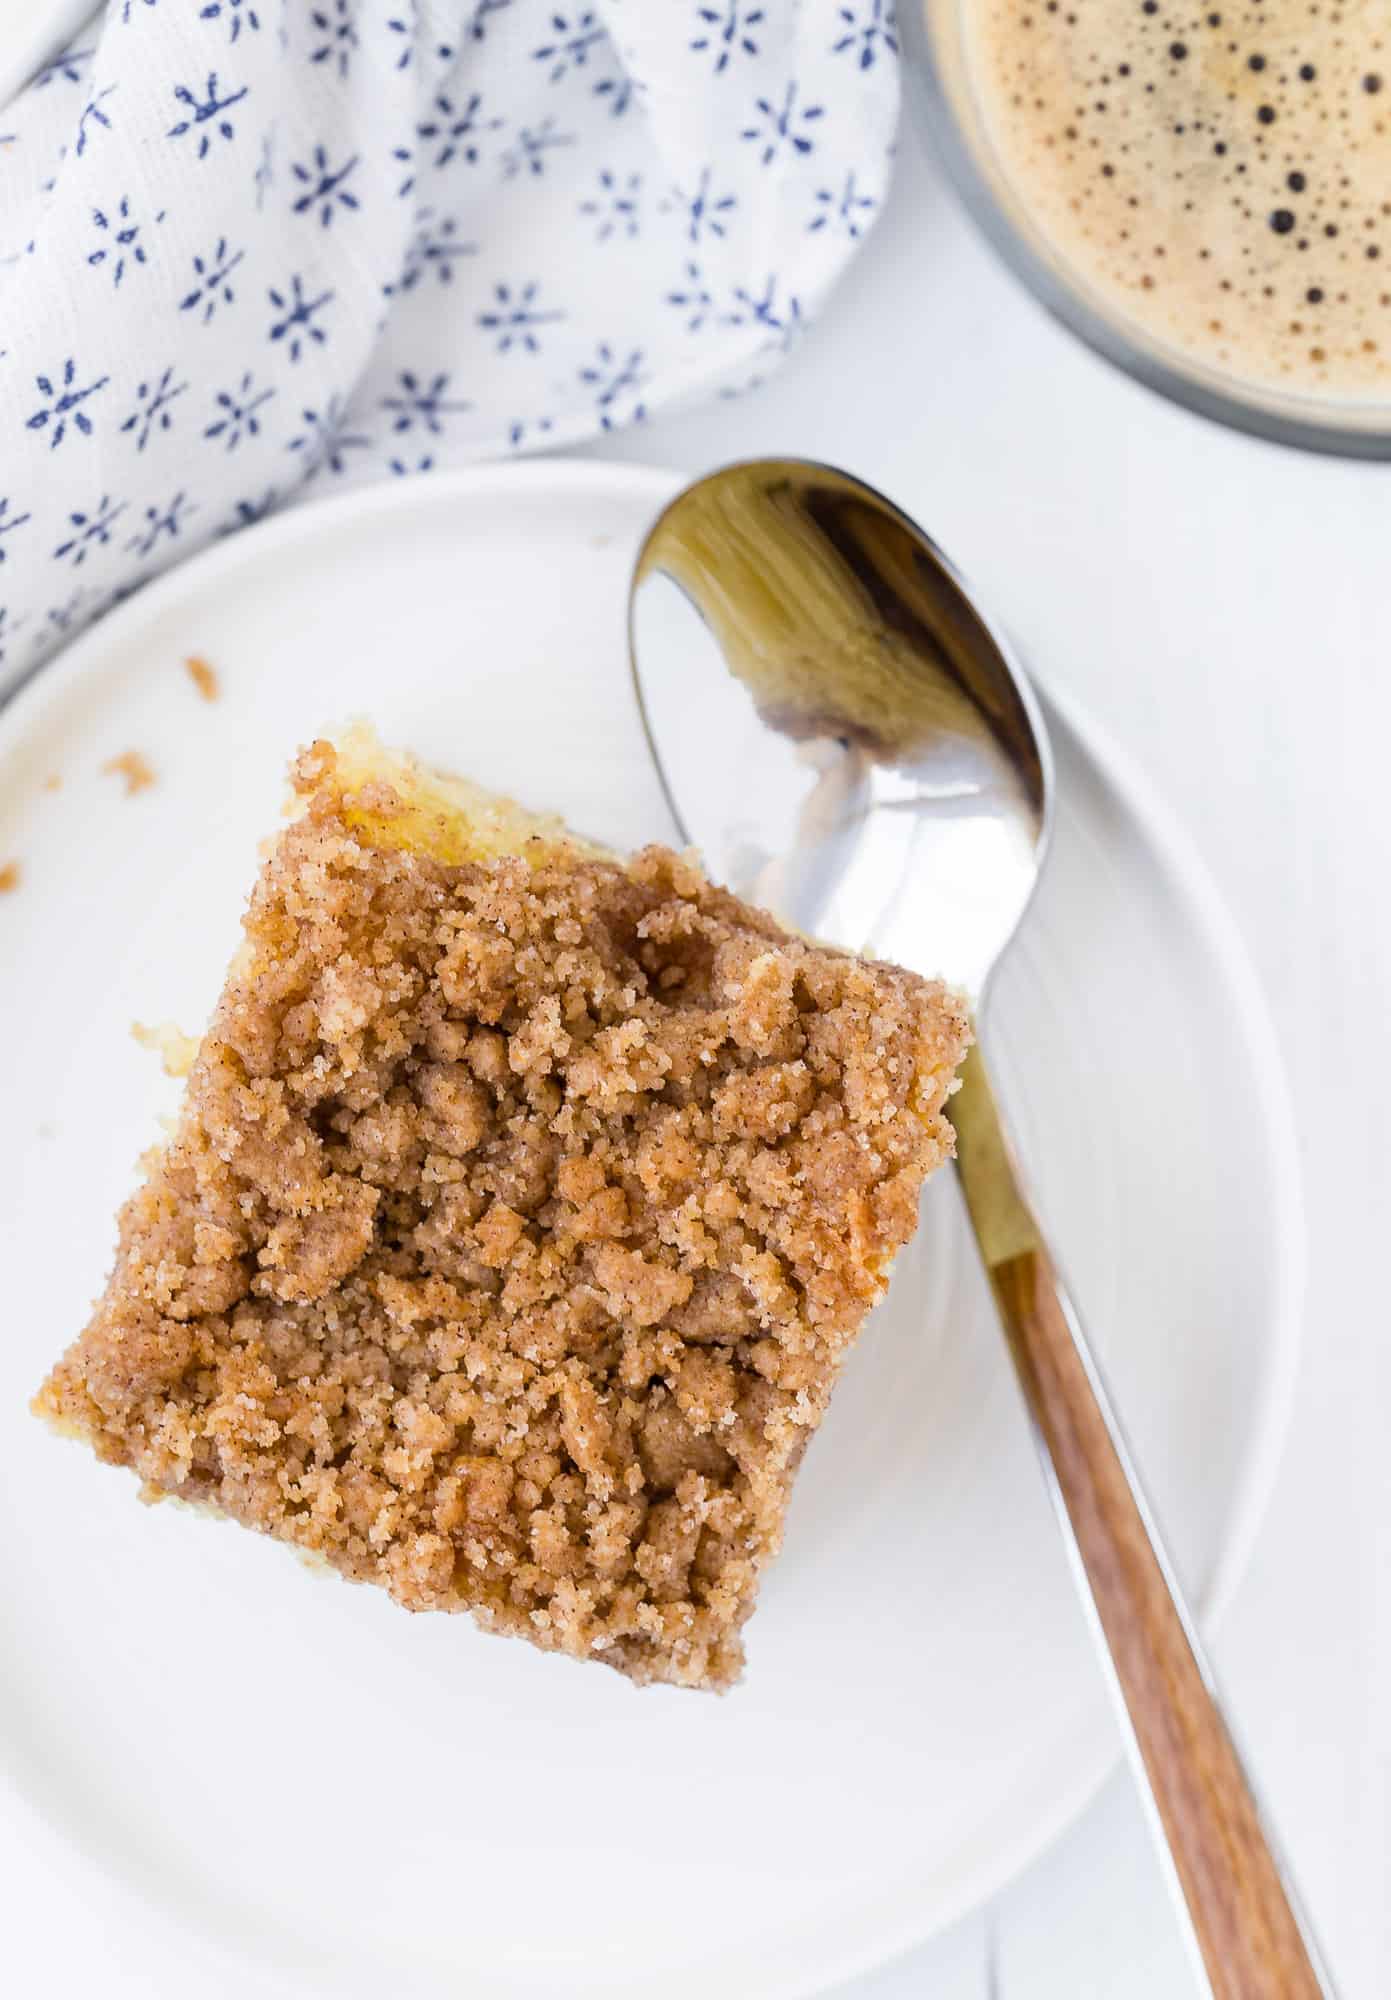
[251, 250]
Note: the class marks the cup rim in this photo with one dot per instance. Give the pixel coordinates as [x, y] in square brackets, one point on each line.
[935, 117]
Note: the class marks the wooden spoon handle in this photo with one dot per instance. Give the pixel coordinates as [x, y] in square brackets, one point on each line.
[1253, 1942]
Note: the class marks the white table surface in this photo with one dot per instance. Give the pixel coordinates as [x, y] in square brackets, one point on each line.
[1225, 608]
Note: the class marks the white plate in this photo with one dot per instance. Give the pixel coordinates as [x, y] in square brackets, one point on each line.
[387, 1804]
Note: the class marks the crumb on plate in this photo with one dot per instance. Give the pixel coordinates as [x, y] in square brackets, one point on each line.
[175, 1049]
[134, 768]
[203, 676]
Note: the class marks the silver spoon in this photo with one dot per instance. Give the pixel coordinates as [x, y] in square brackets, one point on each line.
[849, 742]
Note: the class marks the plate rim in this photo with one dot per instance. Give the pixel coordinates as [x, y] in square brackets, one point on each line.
[26, 704]
[1184, 862]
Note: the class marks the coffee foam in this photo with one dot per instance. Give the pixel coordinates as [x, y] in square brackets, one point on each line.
[1223, 176]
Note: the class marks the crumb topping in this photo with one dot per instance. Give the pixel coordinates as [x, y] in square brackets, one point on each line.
[518, 1217]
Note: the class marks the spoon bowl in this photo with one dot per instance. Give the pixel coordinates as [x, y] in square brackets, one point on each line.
[873, 766]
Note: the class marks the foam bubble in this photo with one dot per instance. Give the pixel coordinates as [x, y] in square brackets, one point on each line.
[1221, 174]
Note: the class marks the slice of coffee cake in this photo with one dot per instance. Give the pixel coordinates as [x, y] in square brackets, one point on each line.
[522, 1207]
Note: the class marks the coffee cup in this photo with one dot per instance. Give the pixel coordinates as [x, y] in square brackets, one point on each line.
[1204, 195]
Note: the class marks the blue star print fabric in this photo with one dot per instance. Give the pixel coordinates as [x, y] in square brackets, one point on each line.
[255, 250]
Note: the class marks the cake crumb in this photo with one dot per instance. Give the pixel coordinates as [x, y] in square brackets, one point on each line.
[9, 877]
[203, 676]
[52, 781]
[134, 768]
[175, 1049]
[518, 1218]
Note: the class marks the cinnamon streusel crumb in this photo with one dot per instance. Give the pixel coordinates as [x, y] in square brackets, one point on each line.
[519, 1215]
